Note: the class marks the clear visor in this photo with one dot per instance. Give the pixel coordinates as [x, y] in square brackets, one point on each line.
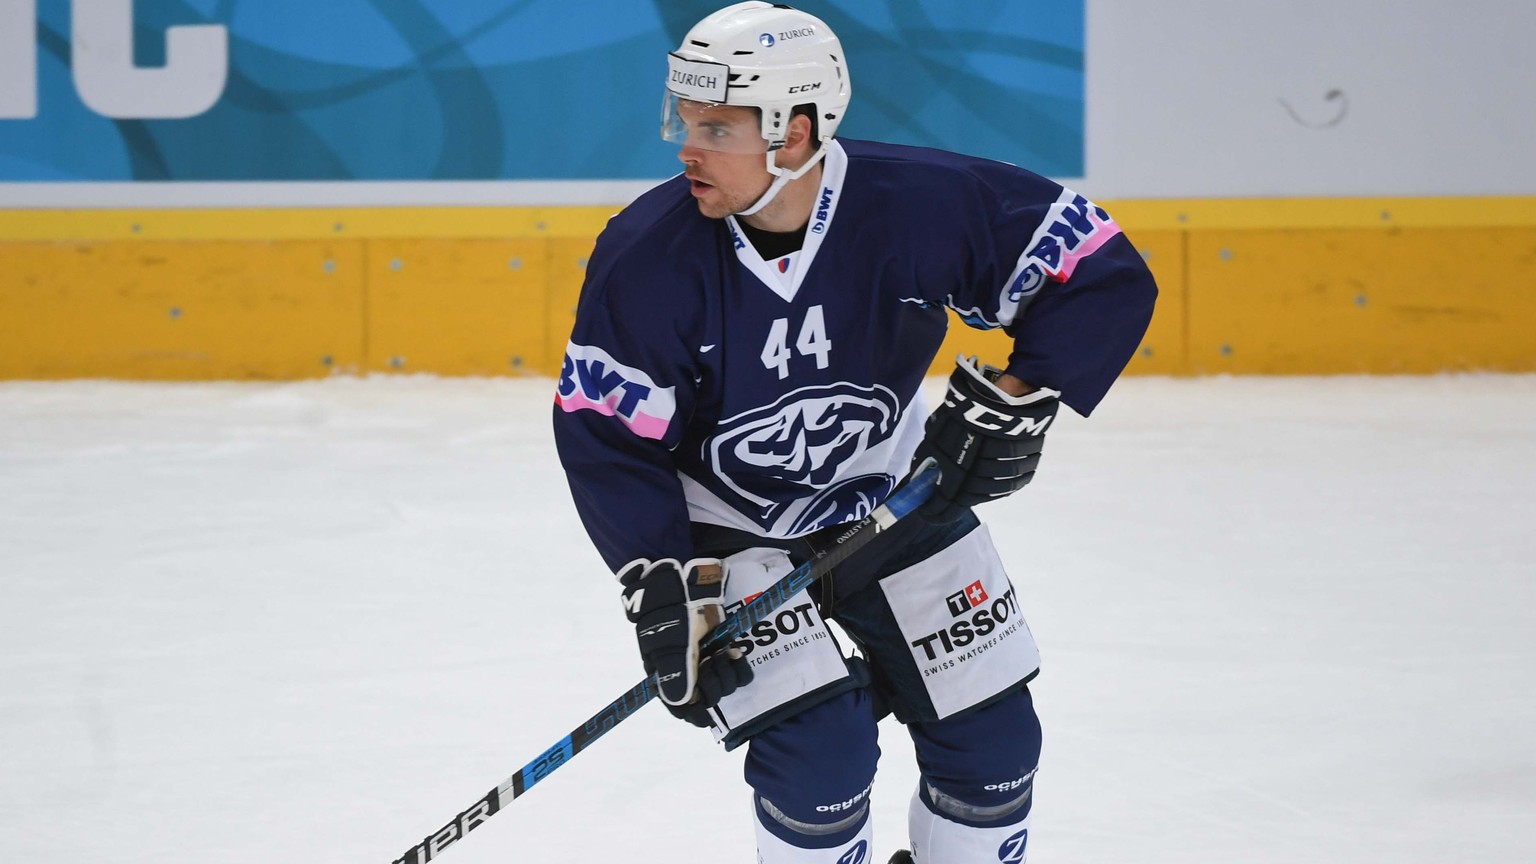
[710, 126]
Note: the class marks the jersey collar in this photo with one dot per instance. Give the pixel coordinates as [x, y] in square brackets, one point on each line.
[787, 284]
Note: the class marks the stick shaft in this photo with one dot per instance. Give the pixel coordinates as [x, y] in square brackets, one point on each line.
[852, 538]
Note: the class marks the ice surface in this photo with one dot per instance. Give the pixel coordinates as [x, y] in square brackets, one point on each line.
[1283, 620]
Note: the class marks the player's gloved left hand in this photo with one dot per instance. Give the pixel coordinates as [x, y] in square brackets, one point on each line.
[986, 442]
[673, 607]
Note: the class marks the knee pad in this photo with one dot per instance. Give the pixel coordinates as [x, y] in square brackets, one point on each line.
[978, 765]
[811, 776]
[974, 798]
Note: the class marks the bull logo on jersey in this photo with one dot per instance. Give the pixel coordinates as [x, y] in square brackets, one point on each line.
[848, 501]
[591, 380]
[804, 450]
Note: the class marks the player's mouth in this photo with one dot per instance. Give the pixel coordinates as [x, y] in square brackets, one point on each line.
[697, 186]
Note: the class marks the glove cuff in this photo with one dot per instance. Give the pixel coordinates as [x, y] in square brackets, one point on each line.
[980, 380]
[704, 579]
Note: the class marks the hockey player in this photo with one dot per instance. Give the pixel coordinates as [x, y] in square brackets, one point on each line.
[745, 371]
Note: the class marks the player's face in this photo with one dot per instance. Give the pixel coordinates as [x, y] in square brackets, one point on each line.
[722, 157]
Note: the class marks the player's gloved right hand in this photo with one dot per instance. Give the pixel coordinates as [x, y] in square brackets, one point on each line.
[986, 442]
[673, 607]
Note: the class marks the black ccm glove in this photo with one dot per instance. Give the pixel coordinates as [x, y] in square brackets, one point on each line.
[986, 442]
[673, 606]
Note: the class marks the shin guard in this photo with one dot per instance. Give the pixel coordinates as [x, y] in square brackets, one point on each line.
[937, 840]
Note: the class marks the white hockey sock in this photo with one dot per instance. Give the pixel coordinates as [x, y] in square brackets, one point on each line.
[936, 840]
[772, 850]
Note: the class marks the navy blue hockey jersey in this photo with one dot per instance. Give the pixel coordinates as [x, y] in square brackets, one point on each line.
[702, 383]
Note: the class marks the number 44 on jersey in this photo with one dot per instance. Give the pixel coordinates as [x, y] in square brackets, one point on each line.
[811, 341]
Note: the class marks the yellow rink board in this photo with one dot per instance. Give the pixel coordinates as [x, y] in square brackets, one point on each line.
[458, 306]
[180, 310]
[1283, 286]
[1410, 300]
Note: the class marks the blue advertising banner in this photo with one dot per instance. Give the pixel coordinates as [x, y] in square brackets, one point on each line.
[380, 90]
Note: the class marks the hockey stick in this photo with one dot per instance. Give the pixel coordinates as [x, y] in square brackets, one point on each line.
[854, 537]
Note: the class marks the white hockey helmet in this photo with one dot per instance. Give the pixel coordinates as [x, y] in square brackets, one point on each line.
[761, 55]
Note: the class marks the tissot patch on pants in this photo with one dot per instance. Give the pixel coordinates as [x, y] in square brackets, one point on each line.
[792, 652]
[962, 622]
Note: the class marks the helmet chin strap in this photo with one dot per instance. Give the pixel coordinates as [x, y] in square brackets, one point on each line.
[782, 178]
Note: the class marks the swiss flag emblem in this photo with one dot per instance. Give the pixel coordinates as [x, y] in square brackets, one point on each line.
[962, 602]
[976, 594]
